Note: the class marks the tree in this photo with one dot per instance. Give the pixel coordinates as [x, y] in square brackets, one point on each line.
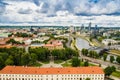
[42, 53]
[86, 63]
[33, 58]
[108, 70]
[99, 65]
[87, 79]
[25, 58]
[104, 57]
[9, 62]
[109, 44]
[85, 52]
[90, 38]
[93, 54]
[112, 59]
[118, 59]
[1, 62]
[113, 68]
[75, 62]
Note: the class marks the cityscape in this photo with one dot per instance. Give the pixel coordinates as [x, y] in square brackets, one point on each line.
[59, 40]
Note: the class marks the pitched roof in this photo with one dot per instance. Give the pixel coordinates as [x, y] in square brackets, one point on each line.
[37, 70]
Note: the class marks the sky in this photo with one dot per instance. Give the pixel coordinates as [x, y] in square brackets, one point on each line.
[105, 13]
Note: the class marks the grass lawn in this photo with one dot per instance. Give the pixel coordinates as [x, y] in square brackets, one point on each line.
[92, 64]
[58, 61]
[70, 61]
[37, 64]
[66, 64]
[115, 51]
[95, 43]
[116, 74]
[45, 62]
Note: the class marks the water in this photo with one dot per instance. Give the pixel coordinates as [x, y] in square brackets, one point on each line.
[81, 43]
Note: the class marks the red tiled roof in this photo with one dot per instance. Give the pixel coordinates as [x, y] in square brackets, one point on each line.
[49, 45]
[37, 70]
[6, 46]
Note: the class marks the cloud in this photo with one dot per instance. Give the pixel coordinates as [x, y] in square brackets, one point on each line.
[60, 11]
[25, 11]
[2, 6]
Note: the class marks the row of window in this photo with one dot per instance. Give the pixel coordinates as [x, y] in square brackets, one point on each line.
[50, 79]
[52, 75]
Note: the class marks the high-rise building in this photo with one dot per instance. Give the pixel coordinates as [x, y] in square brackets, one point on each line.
[36, 73]
[89, 26]
[31, 29]
[82, 26]
[72, 29]
[96, 29]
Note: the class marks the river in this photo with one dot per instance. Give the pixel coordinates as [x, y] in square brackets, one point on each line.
[81, 43]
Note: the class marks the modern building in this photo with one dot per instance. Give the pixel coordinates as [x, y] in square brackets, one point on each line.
[82, 27]
[36, 73]
[89, 26]
[72, 29]
[96, 29]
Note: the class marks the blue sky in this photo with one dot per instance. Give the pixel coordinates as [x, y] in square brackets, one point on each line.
[60, 12]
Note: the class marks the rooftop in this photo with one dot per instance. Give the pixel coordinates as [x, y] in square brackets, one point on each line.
[38, 70]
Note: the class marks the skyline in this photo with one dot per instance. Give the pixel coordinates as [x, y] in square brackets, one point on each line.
[105, 13]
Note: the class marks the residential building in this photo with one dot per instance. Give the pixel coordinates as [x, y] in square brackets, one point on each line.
[41, 39]
[36, 45]
[37, 73]
[27, 42]
[109, 41]
[54, 44]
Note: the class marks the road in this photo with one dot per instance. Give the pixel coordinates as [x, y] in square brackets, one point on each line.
[98, 61]
[68, 44]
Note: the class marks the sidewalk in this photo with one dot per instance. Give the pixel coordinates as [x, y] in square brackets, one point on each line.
[115, 78]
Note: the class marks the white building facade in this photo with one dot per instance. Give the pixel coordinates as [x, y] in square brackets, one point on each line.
[52, 74]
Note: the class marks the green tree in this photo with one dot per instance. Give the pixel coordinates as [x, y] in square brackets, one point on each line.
[25, 58]
[113, 68]
[108, 70]
[104, 57]
[118, 59]
[75, 62]
[109, 44]
[90, 38]
[112, 59]
[1, 62]
[85, 52]
[42, 53]
[86, 63]
[87, 79]
[9, 62]
[33, 58]
[99, 65]
[100, 39]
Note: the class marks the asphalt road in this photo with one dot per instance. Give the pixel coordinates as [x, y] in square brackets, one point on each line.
[98, 61]
[68, 44]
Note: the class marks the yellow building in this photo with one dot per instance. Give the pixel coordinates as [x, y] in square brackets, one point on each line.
[36, 73]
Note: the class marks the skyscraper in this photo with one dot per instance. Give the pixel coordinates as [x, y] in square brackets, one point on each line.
[72, 29]
[82, 26]
[89, 26]
[96, 29]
